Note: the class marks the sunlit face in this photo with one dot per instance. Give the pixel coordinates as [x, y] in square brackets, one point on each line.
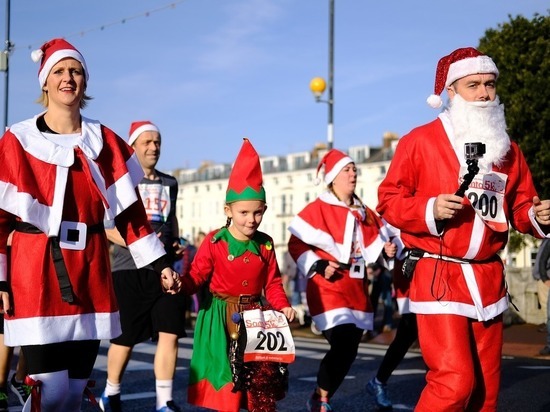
[345, 181]
[65, 84]
[475, 88]
[247, 216]
[147, 148]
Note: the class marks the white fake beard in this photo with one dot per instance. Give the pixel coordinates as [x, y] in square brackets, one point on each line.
[480, 122]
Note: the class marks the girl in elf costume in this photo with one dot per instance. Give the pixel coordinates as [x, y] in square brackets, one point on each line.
[240, 263]
[333, 239]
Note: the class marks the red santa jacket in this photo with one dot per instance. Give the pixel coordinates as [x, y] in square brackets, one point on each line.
[51, 186]
[497, 197]
[325, 229]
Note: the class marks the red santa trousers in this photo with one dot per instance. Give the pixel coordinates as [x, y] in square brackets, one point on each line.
[463, 357]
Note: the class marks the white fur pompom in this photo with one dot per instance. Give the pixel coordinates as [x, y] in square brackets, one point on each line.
[36, 55]
[317, 181]
[434, 101]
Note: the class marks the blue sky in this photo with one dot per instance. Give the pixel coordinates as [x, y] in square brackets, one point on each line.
[209, 72]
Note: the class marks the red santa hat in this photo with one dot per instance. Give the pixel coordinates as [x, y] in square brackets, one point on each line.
[333, 161]
[245, 180]
[51, 53]
[137, 128]
[460, 63]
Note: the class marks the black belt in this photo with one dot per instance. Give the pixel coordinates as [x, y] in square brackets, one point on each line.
[57, 256]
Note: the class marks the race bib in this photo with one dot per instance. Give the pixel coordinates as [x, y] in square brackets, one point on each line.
[486, 195]
[156, 200]
[268, 337]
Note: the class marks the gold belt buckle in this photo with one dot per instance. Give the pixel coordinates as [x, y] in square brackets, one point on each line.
[245, 299]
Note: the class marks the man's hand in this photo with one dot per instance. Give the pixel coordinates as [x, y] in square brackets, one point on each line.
[171, 282]
[178, 248]
[446, 206]
[542, 210]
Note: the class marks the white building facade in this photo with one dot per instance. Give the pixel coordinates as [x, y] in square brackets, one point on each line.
[289, 182]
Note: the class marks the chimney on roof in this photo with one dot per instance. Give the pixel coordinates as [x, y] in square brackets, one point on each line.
[388, 139]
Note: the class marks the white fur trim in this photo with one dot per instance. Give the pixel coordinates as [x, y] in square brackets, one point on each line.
[55, 58]
[459, 308]
[316, 237]
[331, 175]
[81, 326]
[46, 218]
[434, 101]
[341, 316]
[148, 127]
[121, 194]
[305, 261]
[36, 55]
[471, 65]
[430, 218]
[403, 305]
[146, 250]
[536, 226]
[34, 142]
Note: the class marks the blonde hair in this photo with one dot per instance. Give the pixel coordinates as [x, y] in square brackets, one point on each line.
[45, 101]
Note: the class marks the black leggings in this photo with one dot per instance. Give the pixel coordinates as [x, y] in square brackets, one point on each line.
[406, 334]
[344, 341]
[77, 357]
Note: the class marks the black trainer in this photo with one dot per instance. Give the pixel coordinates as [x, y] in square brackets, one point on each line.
[20, 390]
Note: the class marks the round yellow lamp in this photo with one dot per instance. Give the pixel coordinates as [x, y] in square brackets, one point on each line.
[317, 86]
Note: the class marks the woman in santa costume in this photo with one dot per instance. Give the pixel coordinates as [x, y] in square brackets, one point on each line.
[64, 178]
[333, 239]
[458, 289]
[240, 263]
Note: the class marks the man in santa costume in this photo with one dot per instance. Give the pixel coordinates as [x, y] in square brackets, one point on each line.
[64, 178]
[333, 239]
[458, 288]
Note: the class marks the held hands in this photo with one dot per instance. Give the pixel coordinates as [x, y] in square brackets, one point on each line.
[446, 206]
[289, 313]
[170, 281]
[542, 210]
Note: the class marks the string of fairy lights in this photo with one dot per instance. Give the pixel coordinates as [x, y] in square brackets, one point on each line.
[121, 21]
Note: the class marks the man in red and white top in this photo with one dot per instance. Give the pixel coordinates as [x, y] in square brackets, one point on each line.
[458, 289]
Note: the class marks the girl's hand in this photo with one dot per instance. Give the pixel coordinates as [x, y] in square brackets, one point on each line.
[289, 313]
[170, 280]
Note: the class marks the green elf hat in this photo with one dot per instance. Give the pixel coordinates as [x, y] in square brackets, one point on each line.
[245, 180]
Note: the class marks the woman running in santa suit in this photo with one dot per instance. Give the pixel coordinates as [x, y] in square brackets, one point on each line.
[333, 239]
[65, 177]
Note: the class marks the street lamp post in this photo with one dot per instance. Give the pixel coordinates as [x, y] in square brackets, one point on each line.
[4, 65]
[318, 84]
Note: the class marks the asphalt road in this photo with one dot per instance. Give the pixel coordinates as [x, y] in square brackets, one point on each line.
[524, 381]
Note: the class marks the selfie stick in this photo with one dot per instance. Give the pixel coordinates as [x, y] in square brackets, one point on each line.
[472, 152]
